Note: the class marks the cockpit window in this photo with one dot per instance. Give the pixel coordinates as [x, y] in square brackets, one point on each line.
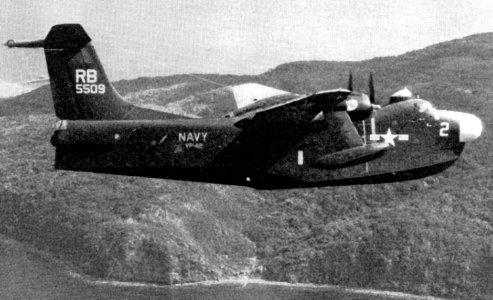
[426, 107]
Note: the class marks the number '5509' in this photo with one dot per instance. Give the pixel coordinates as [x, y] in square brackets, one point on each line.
[87, 88]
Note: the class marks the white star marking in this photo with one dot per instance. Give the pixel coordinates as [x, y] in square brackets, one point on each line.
[389, 137]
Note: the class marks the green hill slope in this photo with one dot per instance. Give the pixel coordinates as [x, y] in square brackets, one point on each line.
[431, 236]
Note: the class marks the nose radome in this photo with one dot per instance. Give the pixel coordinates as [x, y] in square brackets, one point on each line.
[470, 126]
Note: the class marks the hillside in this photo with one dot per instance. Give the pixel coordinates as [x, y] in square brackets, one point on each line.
[431, 236]
[8, 89]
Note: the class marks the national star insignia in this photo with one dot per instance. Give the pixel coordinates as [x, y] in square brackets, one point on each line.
[389, 137]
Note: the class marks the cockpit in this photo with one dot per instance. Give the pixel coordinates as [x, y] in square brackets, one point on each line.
[427, 108]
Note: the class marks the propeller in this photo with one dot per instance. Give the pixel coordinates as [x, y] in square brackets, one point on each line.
[350, 81]
[358, 105]
[371, 89]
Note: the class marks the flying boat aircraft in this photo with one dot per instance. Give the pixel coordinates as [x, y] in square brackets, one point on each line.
[271, 139]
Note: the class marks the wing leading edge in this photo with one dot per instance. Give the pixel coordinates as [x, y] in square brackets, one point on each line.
[295, 112]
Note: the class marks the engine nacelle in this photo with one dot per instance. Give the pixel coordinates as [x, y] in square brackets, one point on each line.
[358, 106]
[400, 96]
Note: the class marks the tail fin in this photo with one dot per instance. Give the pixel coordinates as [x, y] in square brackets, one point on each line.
[81, 90]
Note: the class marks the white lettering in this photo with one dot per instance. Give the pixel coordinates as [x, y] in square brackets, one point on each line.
[86, 82]
[92, 76]
[86, 88]
[86, 76]
[194, 145]
[80, 75]
[192, 137]
[444, 127]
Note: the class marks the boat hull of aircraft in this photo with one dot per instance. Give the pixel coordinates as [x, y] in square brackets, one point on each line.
[206, 151]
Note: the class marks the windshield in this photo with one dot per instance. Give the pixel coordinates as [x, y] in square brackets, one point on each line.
[427, 107]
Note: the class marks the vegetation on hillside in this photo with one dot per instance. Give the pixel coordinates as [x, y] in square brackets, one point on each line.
[430, 236]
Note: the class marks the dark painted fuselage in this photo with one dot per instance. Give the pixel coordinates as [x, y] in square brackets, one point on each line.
[207, 149]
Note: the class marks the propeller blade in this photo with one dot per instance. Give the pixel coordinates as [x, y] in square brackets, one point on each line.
[372, 89]
[350, 82]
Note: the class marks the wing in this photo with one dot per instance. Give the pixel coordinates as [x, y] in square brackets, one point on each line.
[269, 134]
[342, 146]
[249, 94]
[295, 112]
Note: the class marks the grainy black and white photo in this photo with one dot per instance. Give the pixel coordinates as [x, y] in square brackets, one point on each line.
[246, 149]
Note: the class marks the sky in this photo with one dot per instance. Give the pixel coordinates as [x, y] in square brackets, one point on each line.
[161, 37]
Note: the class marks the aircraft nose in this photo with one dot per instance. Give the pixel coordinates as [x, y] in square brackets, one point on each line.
[470, 126]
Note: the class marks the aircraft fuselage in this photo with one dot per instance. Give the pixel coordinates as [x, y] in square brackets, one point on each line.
[421, 141]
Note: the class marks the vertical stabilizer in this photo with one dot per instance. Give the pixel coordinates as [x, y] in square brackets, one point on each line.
[81, 90]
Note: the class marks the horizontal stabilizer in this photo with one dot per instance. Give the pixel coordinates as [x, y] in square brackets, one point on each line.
[351, 156]
[30, 44]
